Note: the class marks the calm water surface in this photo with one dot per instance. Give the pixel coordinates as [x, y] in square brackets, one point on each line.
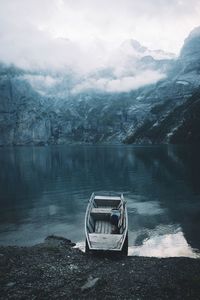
[45, 190]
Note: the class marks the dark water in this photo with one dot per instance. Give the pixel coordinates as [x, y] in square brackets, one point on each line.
[44, 190]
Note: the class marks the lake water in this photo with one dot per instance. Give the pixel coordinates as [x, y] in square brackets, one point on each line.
[45, 190]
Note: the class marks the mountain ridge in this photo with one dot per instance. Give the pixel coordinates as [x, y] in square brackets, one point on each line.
[40, 108]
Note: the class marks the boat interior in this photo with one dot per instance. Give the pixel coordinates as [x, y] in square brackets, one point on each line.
[106, 224]
[99, 221]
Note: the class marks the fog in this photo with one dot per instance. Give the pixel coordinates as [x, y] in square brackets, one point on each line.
[90, 35]
[123, 84]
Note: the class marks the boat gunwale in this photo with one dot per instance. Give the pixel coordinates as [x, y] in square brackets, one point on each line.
[87, 216]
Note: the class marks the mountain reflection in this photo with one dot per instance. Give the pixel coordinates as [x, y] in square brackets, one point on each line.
[167, 245]
[44, 190]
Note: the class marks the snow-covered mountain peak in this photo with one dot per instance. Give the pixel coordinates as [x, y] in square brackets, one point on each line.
[134, 48]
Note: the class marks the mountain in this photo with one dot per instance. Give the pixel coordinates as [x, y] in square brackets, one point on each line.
[190, 52]
[176, 118]
[134, 47]
[140, 96]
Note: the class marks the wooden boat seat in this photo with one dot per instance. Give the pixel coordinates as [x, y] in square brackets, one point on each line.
[107, 201]
[100, 211]
[105, 241]
[107, 198]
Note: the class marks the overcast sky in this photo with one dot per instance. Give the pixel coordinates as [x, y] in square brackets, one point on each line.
[28, 28]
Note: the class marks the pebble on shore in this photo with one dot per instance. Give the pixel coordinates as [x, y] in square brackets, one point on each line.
[56, 270]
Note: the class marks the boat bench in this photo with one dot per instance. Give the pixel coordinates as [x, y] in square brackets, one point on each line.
[107, 201]
[100, 211]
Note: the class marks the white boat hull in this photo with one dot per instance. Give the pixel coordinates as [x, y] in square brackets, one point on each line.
[101, 233]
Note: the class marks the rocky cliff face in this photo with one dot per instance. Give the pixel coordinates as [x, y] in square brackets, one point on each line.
[175, 119]
[190, 53]
[41, 108]
[22, 113]
[180, 124]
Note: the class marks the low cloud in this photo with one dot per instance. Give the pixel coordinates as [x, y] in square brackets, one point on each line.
[123, 84]
[87, 36]
[57, 33]
[41, 81]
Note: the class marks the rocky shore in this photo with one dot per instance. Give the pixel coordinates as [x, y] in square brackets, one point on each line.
[56, 270]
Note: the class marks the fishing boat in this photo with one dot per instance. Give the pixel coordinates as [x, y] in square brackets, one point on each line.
[106, 223]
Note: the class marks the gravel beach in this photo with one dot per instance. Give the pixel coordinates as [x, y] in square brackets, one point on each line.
[56, 270]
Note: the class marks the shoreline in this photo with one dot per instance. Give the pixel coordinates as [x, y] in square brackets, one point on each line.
[56, 270]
